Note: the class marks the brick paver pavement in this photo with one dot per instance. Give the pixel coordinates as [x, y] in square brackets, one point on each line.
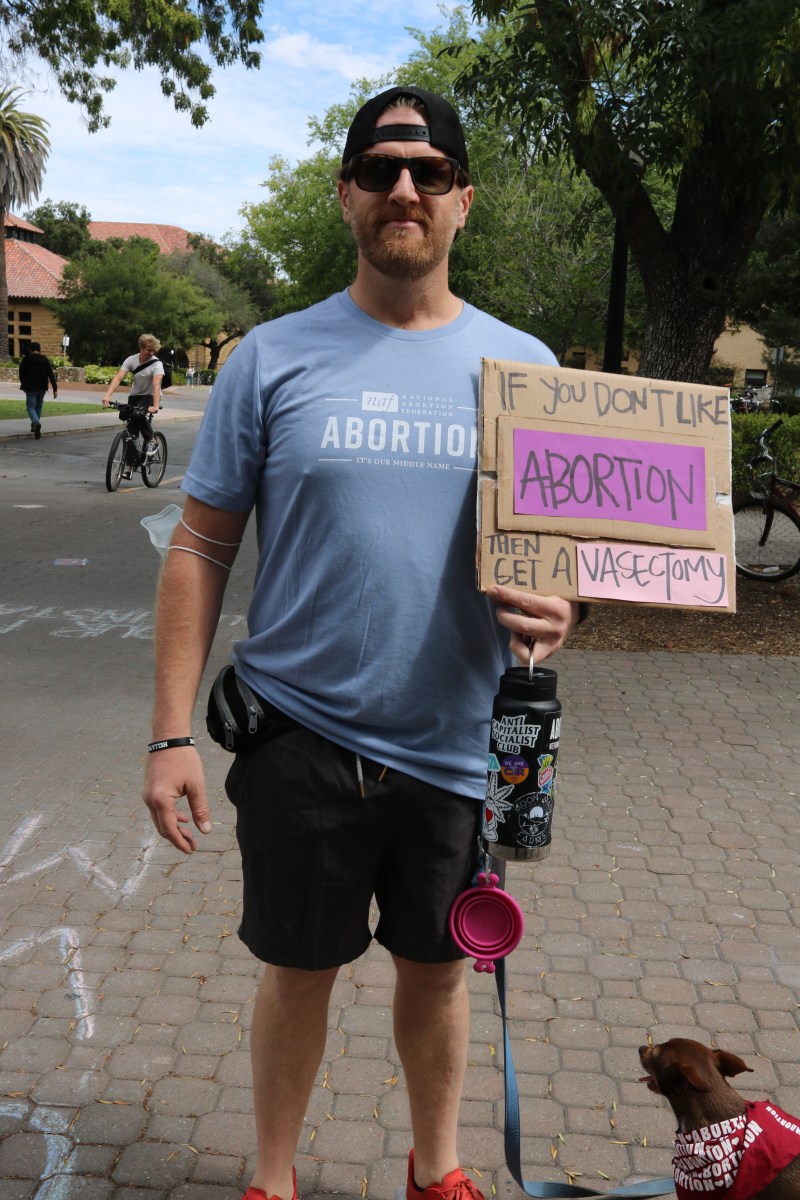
[668, 906]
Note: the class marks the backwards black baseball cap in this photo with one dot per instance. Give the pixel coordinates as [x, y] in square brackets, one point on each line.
[443, 129]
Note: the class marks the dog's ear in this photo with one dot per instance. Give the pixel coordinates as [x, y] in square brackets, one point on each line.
[730, 1064]
[692, 1076]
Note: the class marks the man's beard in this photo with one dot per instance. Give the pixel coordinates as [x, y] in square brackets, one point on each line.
[402, 253]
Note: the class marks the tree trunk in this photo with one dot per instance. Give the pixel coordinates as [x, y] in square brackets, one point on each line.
[213, 347]
[690, 271]
[3, 291]
[216, 345]
[615, 314]
[683, 324]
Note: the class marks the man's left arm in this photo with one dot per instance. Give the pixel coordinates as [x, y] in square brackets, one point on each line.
[539, 621]
[156, 405]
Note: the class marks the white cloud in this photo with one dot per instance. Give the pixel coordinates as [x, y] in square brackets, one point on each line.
[305, 52]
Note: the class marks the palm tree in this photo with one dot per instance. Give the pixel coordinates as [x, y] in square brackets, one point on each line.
[24, 146]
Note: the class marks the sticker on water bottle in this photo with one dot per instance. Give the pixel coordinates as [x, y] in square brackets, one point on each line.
[534, 816]
[547, 773]
[514, 769]
[510, 734]
[495, 806]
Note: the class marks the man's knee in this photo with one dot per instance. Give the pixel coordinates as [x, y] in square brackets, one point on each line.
[295, 984]
[430, 978]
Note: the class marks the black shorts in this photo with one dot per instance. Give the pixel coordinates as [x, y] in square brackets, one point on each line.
[140, 416]
[315, 852]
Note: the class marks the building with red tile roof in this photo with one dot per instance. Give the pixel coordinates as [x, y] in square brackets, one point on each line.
[35, 271]
[170, 239]
[20, 224]
[33, 274]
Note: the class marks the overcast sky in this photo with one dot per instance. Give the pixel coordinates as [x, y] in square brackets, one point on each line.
[152, 165]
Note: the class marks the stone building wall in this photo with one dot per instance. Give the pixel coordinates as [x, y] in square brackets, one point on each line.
[30, 321]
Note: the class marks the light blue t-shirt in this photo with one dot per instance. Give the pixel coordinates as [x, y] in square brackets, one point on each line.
[356, 443]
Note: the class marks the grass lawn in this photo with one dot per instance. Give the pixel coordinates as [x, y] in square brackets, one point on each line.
[13, 409]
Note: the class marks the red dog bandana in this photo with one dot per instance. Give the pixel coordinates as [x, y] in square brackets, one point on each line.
[737, 1158]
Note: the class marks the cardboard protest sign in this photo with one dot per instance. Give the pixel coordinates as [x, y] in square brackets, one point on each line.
[605, 487]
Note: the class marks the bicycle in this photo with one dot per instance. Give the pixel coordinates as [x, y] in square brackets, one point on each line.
[127, 453]
[767, 522]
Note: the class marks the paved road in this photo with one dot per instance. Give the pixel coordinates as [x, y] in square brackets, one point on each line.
[667, 906]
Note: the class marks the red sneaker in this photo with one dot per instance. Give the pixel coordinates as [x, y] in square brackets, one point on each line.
[454, 1186]
[259, 1194]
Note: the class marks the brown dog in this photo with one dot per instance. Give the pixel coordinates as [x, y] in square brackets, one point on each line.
[725, 1146]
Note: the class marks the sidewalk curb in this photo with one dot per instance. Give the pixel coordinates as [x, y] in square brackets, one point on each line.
[76, 429]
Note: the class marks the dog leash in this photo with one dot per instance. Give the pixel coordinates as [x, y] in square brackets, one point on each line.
[511, 1134]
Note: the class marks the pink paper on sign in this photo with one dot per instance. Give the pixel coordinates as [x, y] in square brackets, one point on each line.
[607, 478]
[652, 574]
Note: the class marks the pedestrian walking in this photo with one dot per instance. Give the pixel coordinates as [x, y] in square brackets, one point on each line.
[36, 377]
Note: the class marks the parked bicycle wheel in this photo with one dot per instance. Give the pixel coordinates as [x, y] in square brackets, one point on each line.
[153, 468]
[767, 540]
[116, 462]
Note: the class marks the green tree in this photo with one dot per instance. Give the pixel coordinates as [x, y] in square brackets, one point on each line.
[65, 226]
[236, 309]
[24, 147]
[536, 253]
[307, 249]
[768, 293]
[119, 289]
[80, 41]
[244, 264]
[703, 92]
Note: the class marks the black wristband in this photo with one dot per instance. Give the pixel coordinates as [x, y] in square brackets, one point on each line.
[168, 744]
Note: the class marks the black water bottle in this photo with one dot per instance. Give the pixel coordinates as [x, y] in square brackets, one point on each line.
[521, 781]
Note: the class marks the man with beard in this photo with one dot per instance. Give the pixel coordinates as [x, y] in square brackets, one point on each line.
[350, 427]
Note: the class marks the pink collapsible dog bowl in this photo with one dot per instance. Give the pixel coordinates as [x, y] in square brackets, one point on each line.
[486, 923]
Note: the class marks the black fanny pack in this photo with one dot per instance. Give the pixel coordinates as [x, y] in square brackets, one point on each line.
[238, 719]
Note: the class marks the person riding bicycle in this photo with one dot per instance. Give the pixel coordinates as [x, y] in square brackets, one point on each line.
[145, 394]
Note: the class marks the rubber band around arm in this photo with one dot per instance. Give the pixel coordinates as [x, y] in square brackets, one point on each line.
[199, 553]
[203, 538]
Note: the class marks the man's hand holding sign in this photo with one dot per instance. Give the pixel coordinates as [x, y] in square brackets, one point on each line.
[538, 624]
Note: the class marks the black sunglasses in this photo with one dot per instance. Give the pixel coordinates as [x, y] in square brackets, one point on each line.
[380, 172]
